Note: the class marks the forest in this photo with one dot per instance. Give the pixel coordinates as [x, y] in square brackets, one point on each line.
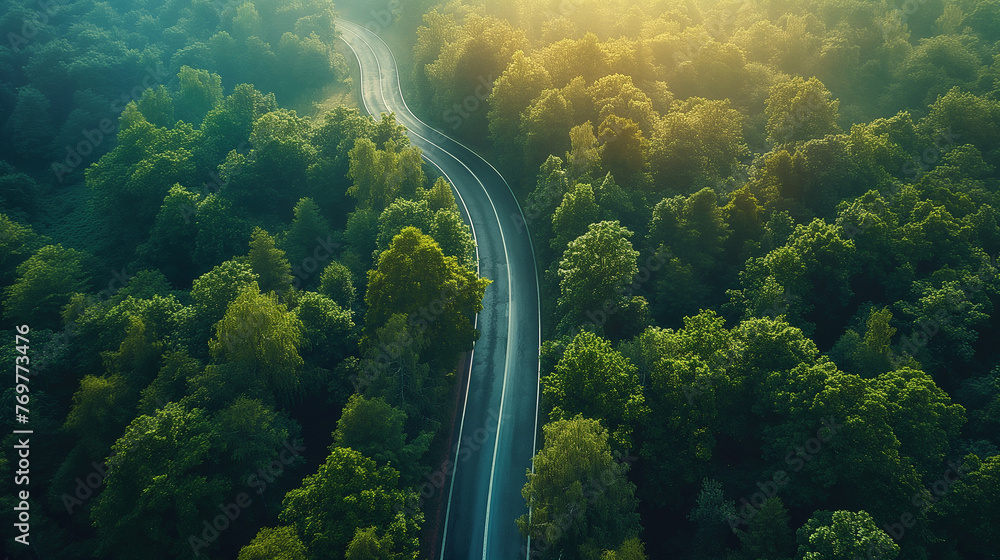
[766, 235]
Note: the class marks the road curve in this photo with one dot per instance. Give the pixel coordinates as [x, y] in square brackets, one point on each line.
[494, 435]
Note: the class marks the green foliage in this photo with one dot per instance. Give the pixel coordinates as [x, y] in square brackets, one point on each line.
[768, 535]
[279, 543]
[221, 233]
[697, 143]
[808, 276]
[268, 263]
[594, 380]
[800, 110]
[131, 181]
[170, 383]
[477, 51]
[308, 229]
[275, 173]
[29, 126]
[412, 277]
[573, 215]
[336, 283]
[45, 282]
[96, 417]
[326, 510]
[712, 513]
[963, 512]
[212, 292]
[522, 81]
[379, 175]
[174, 235]
[17, 243]
[200, 91]
[327, 328]
[595, 267]
[174, 192]
[376, 430]
[631, 549]
[831, 166]
[580, 498]
[157, 105]
[402, 213]
[440, 196]
[454, 237]
[19, 193]
[249, 434]
[161, 483]
[261, 338]
[844, 535]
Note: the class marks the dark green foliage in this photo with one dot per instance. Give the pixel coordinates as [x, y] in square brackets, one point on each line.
[45, 282]
[580, 488]
[326, 518]
[809, 303]
[274, 273]
[29, 127]
[594, 380]
[336, 283]
[376, 429]
[163, 340]
[161, 484]
[327, 327]
[309, 231]
[844, 535]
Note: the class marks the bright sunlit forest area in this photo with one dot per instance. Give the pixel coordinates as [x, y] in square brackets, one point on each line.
[765, 233]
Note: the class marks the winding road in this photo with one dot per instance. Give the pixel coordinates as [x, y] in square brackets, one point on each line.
[495, 432]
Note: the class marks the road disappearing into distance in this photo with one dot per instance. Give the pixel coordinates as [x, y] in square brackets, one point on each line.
[495, 431]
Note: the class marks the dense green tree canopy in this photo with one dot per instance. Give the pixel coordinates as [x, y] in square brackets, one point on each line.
[594, 268]
[580, 498]
[594, 380]
[349, 492]
[797, 347]
[413, 277]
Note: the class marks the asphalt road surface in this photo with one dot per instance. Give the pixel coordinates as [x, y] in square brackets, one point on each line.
[495, 431]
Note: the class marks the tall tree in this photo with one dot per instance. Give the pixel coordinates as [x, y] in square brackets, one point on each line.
[212, 292]
[521, 82]
[574, 215]
[335, 282]
[29, 128]
[767, 535]
[698, 143]
[278, 543]
[594, 269]
[379, 175]
[376, 429]
[327, 328]
[309, 229]
[415, 278]
[273, 270]
[200, 91]
[162, 482]
[579, 496]
[349, 492]
[800, 109]
[844, 535]
[595, 380]
[711, 514]
[45, 282]
[261, 337]
[963, 513]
